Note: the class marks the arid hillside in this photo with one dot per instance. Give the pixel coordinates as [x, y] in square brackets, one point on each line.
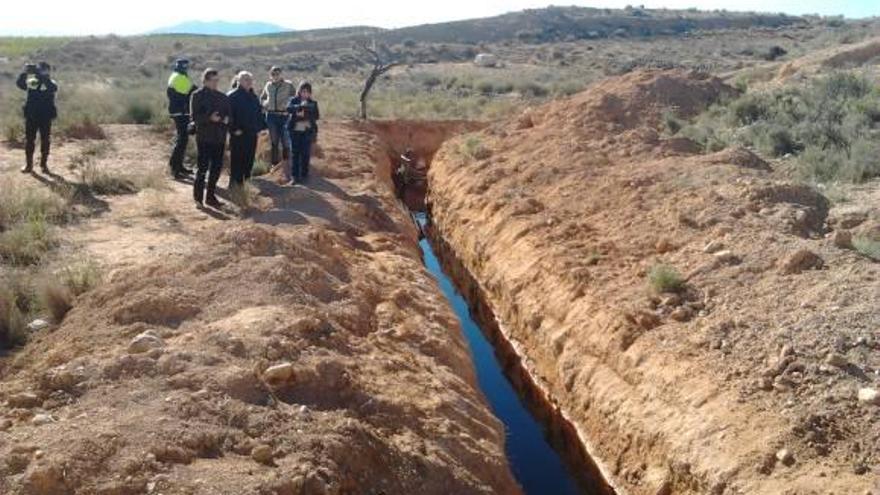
[703, 319]
[296, 346]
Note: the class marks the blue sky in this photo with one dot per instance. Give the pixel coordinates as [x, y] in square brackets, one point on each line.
[132, 17]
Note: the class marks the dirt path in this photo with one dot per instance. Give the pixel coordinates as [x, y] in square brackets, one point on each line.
[300, 349]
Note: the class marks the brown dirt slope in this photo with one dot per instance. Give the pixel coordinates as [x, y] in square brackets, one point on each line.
[746, 381]
[302, 349]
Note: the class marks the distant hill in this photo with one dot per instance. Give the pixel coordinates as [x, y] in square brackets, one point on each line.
[222, 28]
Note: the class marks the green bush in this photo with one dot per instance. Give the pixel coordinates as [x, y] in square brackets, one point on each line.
[664, 278]
[867, 247]
[533, 90]
[827, 123]
[138, 113]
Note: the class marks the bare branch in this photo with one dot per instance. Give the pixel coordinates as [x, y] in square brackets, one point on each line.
[380, 67]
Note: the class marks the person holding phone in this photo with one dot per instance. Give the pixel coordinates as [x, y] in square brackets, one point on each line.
[245, 123]
[303, 125]
[210, 112]
[39, 112]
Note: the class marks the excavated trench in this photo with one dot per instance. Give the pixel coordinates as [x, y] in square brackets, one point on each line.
[544, 449]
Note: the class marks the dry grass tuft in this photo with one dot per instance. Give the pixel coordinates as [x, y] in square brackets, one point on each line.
[57, 299]
[664, 278]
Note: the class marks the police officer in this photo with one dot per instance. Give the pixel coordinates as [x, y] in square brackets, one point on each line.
[39, 112]
[180, 89]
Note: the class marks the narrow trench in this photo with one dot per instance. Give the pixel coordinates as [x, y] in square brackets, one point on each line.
[544, 450]
[537, 467]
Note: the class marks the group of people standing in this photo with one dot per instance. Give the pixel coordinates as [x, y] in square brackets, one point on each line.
[289, 114]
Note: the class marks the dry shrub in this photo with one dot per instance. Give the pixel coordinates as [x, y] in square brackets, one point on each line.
[57, 299]
[58, 293]
[102, 181]
[85, 128]
[155, 204]
[26, 243]
[13, 327]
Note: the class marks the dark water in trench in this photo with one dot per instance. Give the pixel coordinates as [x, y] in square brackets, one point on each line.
[537, 467]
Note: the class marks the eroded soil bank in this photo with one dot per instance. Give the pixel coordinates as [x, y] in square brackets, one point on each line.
[302, 349]
[745, 382]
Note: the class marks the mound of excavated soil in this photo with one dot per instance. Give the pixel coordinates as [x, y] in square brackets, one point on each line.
[755, 377]
[301, 350]
[841, 57]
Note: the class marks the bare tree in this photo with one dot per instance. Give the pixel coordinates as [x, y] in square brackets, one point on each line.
[379, 66]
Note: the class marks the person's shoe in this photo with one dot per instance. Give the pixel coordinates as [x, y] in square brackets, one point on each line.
[44, 164]
[29, 164]
[198, 195]
[213, 202]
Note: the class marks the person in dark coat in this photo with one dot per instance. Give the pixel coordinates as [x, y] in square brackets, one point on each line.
[179, 91]
[245, 123]
[210, 111]
[39, 112]
[303, 126]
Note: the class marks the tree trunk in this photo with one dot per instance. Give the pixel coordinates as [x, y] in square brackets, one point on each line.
[365, 93]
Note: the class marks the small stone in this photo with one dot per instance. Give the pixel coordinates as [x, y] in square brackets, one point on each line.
[836, 359]
[842, 239]
[671, 300]
[767, 463]
[24, 400]
[145, 342]
[314, 485]
[279, 373]
[713, 247]
[785, 456]
[42, 419]
[800, 261]
[852, 219]
[263, 454]
[37, 325]
[869, 395]
[681, 314]
[727, 256]
[764, 383]
[664, 246]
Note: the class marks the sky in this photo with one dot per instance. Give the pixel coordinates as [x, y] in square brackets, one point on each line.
[77, 17]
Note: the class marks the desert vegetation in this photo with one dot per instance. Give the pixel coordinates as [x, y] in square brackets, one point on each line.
[827, 127]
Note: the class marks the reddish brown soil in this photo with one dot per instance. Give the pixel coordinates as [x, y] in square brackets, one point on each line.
[382, 396]
[560, 215]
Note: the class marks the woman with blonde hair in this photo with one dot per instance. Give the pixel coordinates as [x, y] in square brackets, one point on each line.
[245, 123]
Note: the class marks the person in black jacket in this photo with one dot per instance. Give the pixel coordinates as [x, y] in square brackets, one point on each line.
[180, 89]
[39, 112]
[210, 111]
[245, 123]
[303, 125]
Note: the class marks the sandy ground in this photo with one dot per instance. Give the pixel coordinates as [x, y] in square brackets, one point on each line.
[299, 347]
[746, 382]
